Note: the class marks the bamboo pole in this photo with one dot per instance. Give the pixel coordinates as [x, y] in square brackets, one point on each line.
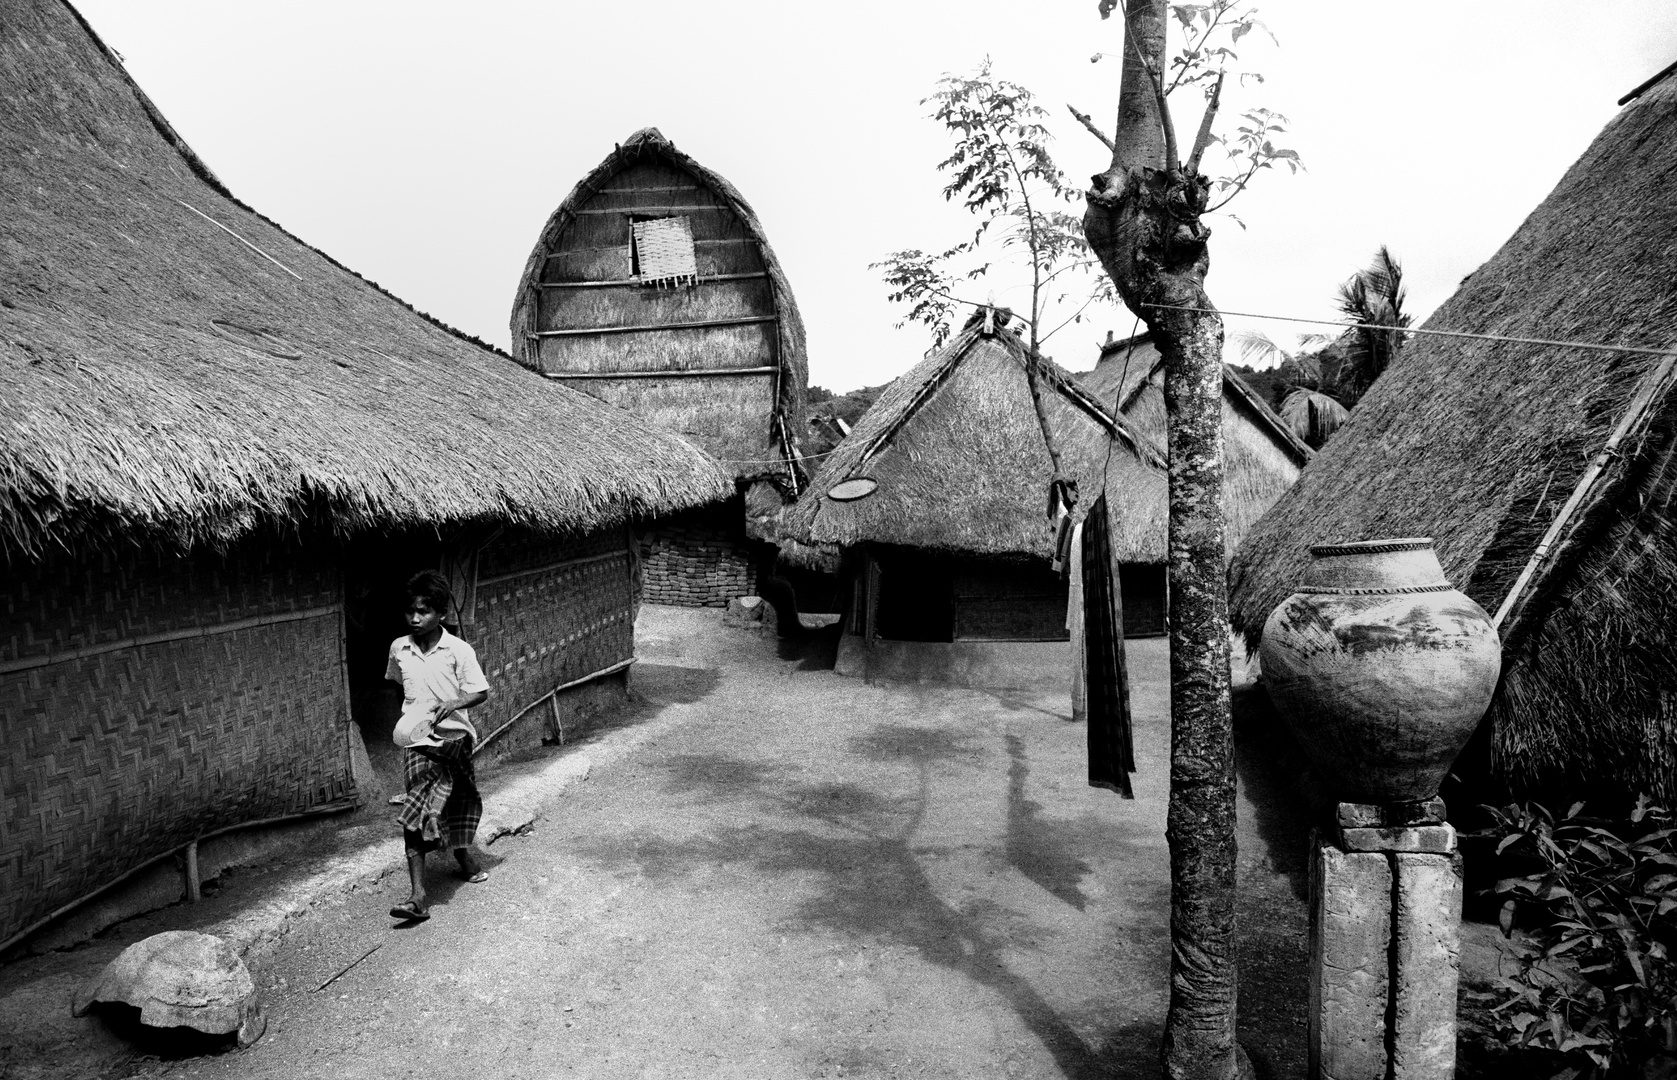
[56, 913]
[194, 889]
[1637, 416]
[590, 331]
[616, 283]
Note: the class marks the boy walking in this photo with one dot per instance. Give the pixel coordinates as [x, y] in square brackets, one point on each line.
[440, 679]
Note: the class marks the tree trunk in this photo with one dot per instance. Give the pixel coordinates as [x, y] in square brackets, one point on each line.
[1143, 222]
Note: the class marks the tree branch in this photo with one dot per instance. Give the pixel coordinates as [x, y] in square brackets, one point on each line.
[1172, 162]
[1203, 139]
[1088, 122]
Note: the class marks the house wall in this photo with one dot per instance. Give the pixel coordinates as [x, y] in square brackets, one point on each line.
[146, 699]
[550, 611]
[1007, 600]
[699, 558]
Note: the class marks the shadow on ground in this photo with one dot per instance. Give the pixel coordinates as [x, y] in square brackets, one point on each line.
[859, 846]
[1280, 788]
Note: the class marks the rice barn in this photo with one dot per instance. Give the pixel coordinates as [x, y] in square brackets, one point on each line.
[221, 455]
[1544, 473]
[653, 287]
[1262, 456]
[933, 508]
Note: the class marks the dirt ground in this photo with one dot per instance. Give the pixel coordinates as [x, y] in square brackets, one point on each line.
[799, 875]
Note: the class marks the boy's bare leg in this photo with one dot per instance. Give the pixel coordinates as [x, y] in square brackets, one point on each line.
[469, 866]
[416, 878]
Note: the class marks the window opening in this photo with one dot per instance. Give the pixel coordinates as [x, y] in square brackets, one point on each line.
[661, 251]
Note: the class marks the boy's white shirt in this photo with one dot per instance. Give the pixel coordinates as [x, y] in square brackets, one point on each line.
[448, 671]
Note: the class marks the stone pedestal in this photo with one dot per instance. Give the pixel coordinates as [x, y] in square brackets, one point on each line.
[1386, 902]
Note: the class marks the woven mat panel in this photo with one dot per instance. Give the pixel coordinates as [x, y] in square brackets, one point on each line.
[116, 758]
[522, 549]
[91, 598]
[665, 249]
[537, 631]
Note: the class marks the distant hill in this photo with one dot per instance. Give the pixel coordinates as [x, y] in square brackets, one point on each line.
[826, 407]
[1271, 383]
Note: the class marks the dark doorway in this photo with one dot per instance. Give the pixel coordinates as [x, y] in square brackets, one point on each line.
[916, 597]
[376, 572]
[1143, 586]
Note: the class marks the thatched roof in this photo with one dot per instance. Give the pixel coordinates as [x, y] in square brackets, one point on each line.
[1480, 443]
[1261, 455]
[720, 358]
[956, 449]
[174, 365]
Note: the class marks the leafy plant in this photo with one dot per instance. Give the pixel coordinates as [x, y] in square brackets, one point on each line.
[1002, 172]
[1206, 56]
[1592, 928]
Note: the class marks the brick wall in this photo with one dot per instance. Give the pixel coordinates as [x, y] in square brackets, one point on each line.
[700, 558]
[147, 699]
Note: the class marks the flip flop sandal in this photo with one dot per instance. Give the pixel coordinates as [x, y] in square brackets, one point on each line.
[475, 879]
[408, 913]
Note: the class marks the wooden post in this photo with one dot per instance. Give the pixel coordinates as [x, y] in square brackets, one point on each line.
[194, 892]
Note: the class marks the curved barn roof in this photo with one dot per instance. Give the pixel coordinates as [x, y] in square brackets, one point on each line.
[956, 449]
[174, 365]
[720, 357]
[1480, 443]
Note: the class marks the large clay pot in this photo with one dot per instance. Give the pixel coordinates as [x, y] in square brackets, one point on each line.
[1380, 668]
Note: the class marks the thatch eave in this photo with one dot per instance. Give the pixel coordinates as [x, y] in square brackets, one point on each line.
[181, 370]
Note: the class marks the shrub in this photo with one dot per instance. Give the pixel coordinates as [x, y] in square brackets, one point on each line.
[1592, 927]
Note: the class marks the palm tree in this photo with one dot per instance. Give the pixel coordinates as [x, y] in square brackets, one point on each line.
[1308, 408]
[1372, 298]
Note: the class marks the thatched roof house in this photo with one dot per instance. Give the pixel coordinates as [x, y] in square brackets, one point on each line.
[950, 537]
[1262, 455]
[213, 433]
[180, 366]
[1481, 444]
[653, 286]
[958, 456]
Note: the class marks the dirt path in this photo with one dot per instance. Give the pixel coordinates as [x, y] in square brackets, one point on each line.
[807, 877]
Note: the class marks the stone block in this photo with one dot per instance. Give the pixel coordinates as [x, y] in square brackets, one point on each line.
[1377, 816]
[1426, 957]
[1424, 839]
[1350, 939]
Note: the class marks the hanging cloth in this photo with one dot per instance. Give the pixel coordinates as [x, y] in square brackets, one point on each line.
[1074, 627]
[1106, 680]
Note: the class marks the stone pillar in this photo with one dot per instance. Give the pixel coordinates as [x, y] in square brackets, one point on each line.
[1386, 902]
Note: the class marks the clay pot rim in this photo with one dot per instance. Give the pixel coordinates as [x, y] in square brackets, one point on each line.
[1365, 547]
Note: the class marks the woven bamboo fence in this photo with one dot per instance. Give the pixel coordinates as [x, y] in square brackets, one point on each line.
[150, 700]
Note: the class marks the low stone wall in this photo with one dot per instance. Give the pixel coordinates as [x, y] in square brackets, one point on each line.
[700, 558]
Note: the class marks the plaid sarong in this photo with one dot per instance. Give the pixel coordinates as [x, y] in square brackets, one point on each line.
[442, 802]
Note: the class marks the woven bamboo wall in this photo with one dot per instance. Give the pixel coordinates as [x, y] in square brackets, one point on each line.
[146, 700]
[549, 610]
[700, 558]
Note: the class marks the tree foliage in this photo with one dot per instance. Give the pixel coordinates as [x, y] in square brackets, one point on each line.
[1001, 171]
[1372, 299]
[1325, 376]
[1593, 925]
[1204, 58]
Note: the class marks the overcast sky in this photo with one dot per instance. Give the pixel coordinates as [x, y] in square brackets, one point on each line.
[425, 143]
